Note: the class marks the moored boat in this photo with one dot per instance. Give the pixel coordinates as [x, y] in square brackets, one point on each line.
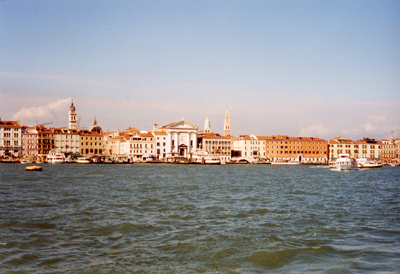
[212, 160]
[83, 160]
[286, 162]
[345, 163]
[55, 157]
[368, 163]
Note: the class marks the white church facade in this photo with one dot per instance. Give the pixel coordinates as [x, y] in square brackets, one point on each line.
[181, 139]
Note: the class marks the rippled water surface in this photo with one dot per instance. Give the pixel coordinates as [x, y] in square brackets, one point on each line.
[156, 218]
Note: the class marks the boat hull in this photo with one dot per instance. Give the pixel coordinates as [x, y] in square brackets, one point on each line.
[286, 163]
[33, 168]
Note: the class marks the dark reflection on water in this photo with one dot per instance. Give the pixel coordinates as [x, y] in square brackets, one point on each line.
[198, 219]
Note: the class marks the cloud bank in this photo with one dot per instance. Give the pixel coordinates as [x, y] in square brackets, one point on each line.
[53, 112]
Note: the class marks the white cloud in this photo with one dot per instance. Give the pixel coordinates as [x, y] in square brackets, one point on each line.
[49, 113]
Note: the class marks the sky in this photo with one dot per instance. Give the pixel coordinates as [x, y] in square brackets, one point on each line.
[300, 68]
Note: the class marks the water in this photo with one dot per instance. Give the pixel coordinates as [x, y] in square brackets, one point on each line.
[146, 218]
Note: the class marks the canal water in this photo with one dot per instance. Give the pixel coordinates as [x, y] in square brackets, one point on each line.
[159, 218]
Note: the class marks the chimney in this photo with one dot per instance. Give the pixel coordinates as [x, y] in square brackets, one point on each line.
[155, 127]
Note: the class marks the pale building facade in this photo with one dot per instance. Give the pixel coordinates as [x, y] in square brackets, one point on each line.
[389, 149]
[29, 142]
[112, 142]
[67, 141]
[160, 138]
[357, 149]
[249, 147]
[215, 145]
[142, 147]
[181, 139]
[10, 139]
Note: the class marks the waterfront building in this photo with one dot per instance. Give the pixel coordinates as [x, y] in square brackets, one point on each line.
[389, 150]
[181, 139]
[397, 143]
[249, 147]
[160, 138]
[67, 141]
[215, 145]
[115, 140]
[72, 121]
[304, 149]
[29, 142]
[10, 139]
[227, 124]
[368, 148]
[142, 146]
[112, 142]
[91, 143]
[45, 141]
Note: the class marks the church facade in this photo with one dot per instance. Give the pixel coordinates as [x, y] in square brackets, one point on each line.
[181, 139]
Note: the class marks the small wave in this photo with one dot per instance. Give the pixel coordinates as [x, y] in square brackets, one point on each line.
[43, 225]
[279, 258]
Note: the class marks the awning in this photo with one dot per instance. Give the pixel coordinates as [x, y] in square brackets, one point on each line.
[76, 155]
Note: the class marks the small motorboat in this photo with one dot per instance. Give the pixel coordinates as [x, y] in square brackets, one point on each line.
[83, 160]
[33, 168]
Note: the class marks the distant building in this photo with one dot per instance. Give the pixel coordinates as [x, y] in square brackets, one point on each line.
[160, 137]
[45, 141]
[66, 141]
[142, 146]
[30, 142]
[249, 147]
[215, 145]
[305, 149]
[367, 148]
[91, 143]
[10, 139]
[181, 140]
[389, 149]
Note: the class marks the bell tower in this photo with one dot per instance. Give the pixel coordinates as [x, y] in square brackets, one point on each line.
[227, 124]
[72, 117]
[207, 127]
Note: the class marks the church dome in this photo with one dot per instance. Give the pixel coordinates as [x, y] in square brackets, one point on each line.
[95, 127]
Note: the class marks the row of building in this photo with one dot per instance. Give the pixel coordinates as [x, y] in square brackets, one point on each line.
[180, 140]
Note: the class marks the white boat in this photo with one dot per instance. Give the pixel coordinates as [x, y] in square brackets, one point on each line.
[394, 164]
[83, 160]
[345, 162]
[55, 157]
[367, 163]
[212, 160]
[285, 162]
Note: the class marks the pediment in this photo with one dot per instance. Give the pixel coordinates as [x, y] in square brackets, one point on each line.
[183, 125]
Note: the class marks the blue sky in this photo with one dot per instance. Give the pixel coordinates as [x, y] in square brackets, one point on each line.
[309, 68]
